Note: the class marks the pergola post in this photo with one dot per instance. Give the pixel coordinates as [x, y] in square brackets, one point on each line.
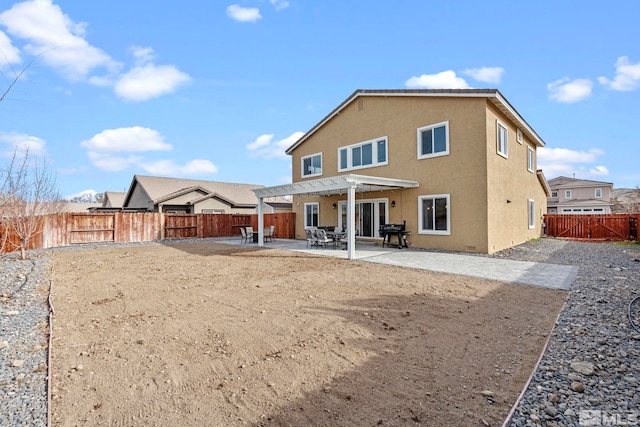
[260, 223]
[351, 222]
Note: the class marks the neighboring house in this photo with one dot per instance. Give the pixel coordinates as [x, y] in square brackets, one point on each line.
[458, 166]
[113, 199]
[175, 195]
[78, 207]
[579, 196]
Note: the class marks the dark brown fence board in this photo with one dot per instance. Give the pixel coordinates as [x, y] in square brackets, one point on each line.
[600, 227]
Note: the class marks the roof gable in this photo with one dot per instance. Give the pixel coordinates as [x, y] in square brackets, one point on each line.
[492, 95]
[160, 189]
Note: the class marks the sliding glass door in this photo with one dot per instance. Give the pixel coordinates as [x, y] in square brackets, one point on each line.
[369, 216]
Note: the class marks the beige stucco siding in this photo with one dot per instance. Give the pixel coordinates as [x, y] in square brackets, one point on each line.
[510, 187]
[461, 174]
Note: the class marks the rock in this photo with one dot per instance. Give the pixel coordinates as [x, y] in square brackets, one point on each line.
[551, 411]
[487, 393]
[570, 413]
[17, 363]
[577, 386]
[584, 368]
[4, 344]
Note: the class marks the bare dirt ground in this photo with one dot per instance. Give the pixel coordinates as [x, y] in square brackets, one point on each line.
[207, 334]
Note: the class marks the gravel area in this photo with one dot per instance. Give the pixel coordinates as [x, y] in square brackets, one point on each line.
[24, 332]
[590, 372]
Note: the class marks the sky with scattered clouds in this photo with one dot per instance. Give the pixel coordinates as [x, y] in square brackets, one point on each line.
[218, 91]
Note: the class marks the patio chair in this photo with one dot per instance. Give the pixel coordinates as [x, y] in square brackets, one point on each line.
[243, 238]
[268, 234]
[272, 233]
[322, 238]
[311, 237]
[249, 231]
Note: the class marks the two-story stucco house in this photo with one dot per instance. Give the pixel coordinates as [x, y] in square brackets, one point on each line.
[579, 196]
[458, 167]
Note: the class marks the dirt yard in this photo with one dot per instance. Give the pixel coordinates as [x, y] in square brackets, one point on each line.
[207, 334]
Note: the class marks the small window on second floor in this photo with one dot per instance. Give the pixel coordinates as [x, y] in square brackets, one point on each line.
[567, 194]
[598, 193]
[433, 140]
[530, 159]
[312, 165]
[502, 140]
[519, 136]
[554, 194]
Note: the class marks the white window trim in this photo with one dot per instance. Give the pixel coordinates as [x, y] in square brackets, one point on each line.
[419, 140]
[531, 213]
[446, 232]
[505, 152]
[556, 194]
[595, 193]
[567, 194]
[302, 159]
[317, 205]
[519, 135]
[374, 154]
[530, 159]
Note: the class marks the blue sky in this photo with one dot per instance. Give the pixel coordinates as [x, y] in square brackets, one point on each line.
[218, 90]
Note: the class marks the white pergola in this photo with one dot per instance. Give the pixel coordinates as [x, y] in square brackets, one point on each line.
[340, 184]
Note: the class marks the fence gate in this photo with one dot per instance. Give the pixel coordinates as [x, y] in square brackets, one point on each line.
[88, 228]
[633, 228]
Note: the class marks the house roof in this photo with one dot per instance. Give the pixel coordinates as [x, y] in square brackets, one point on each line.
[492, 95]
[160, 189]
[566, 182]
[116, 198]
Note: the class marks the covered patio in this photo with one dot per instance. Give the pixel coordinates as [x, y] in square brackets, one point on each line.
[341, 184]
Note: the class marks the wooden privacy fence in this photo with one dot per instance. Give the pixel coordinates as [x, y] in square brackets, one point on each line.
[66, 229]
[602, 227]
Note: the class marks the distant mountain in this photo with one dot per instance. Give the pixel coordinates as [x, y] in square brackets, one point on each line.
[86, 196]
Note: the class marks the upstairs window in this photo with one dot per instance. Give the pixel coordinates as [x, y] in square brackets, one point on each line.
[363, 155]
[519, 136]
[502, 140]
[554, 194]
[567, 194]
[598, 193]
[530, 159]
[433, 140]
[312, 165]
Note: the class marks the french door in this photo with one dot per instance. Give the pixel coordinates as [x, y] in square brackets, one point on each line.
[369, 216]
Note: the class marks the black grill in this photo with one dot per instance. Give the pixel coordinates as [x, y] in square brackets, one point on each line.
[398, 230]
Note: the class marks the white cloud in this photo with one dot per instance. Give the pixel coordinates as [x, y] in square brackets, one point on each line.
[265, 147]
[168, 167]
[60, 41]
[18, 143]
[10, 54]
[119, 149]
[486, 74]
[149, 81]
[243, 14]
[569, 91]
[627, 76]
[131, 139]
[113, 162]
[142, 54]
[443, 80]
[280, 4]
[599, 171]
[565, 162]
